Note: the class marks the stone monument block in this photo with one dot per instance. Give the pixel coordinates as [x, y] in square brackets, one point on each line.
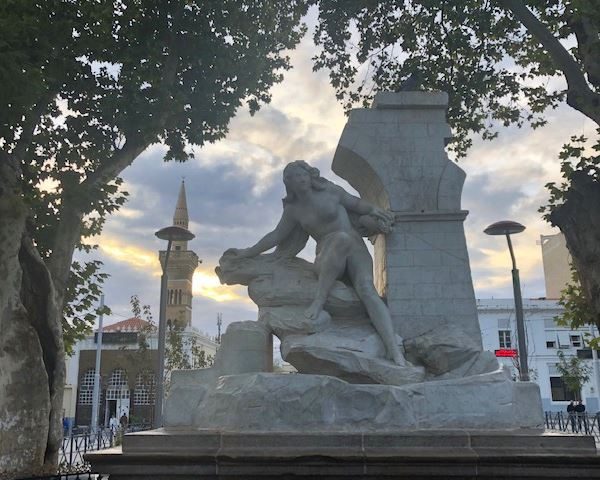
[393, 155]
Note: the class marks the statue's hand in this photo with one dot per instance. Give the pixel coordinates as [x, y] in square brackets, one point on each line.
[385, 219]
[382, 214]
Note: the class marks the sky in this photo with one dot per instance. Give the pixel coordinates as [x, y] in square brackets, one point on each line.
[234, 192]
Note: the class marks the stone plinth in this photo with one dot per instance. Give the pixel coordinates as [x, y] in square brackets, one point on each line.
[186, 455]
[320, 403]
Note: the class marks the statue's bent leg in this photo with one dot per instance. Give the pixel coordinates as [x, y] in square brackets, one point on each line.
[331, 264]
[360, 271]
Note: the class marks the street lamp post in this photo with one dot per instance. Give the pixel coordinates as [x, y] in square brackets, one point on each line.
[507, 228]
[170, 234]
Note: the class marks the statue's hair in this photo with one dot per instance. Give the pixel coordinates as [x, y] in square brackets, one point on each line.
[317, 181]
[296, 240]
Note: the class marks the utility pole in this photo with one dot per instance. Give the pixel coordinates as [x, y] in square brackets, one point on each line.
[219, 323]
[96, 393]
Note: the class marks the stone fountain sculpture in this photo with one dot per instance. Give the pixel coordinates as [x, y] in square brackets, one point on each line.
[388, 348]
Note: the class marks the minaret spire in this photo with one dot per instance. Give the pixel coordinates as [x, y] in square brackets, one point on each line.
[182, 264]
[180, 217]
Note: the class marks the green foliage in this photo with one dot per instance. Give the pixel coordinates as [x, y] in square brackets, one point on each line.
[82, 294]
[577, 312]
[494, 70]
[573, 371]
[87, 86]
[143, 312]
[182, 352]
[200, 359]
[573, 159]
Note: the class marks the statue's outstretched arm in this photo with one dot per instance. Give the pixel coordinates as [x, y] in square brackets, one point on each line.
[270, 240]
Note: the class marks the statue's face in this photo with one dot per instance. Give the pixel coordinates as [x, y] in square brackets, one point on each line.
[298, 179]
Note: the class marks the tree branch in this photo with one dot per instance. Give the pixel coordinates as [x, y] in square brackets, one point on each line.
[588, 46]
[579, 94]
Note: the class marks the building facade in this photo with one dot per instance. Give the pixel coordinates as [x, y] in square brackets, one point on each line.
[544, 338]
[557, 264]
[129, 350]
[127, 370]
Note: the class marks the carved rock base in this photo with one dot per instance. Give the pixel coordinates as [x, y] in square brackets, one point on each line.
[291, 402]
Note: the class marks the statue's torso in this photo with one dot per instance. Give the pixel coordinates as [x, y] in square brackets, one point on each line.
[321, 214]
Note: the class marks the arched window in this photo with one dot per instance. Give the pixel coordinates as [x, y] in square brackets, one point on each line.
[145, 384]
[86, 387]
[118, 387]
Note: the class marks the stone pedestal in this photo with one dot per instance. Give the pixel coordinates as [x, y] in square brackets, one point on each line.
[189, 455]
[255, 402]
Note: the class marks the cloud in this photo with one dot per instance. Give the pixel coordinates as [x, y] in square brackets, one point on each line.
[129, 254]
[207, 284]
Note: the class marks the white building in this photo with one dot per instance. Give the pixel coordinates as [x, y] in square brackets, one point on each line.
[544, 337]
[544, 340]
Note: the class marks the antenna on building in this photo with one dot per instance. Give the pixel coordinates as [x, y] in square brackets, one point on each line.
[219, 323]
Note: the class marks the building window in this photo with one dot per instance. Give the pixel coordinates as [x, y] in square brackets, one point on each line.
[551, 344]
[560, 392]
[118, 387]
[575, 341]
[144, 388]
[86, 387]
[504, 339]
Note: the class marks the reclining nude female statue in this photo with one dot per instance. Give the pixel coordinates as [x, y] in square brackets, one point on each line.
[314, 206]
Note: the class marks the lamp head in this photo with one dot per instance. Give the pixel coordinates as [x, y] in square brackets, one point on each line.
[175, 234]
[504, 227]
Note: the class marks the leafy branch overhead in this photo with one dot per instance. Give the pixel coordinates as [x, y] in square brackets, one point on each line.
[497, 59]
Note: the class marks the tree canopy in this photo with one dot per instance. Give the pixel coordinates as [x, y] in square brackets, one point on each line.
[86, 88]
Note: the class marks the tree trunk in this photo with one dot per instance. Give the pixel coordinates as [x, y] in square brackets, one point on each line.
[579, 220]
[32, 367]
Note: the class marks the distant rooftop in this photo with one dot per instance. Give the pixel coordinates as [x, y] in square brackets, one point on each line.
[132, 324]
[509, 303]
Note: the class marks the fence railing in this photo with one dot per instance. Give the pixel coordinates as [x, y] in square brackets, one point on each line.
[578, 423]
[74, 447]
[69, 476]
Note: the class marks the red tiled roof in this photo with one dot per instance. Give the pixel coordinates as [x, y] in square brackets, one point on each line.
[132, 324]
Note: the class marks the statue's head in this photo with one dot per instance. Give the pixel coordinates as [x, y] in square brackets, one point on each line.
[316, 181]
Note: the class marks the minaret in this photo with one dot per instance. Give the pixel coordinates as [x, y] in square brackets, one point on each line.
[182, 264]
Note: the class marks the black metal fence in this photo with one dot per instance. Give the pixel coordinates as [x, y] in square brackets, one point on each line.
[578, 423]
[74, 447]
[70, 476]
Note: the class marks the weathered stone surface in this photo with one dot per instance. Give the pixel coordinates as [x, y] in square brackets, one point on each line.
[340, 342]
[275, 402]
[393, 155]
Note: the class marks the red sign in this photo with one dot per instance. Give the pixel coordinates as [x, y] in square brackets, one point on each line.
[506, 352]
